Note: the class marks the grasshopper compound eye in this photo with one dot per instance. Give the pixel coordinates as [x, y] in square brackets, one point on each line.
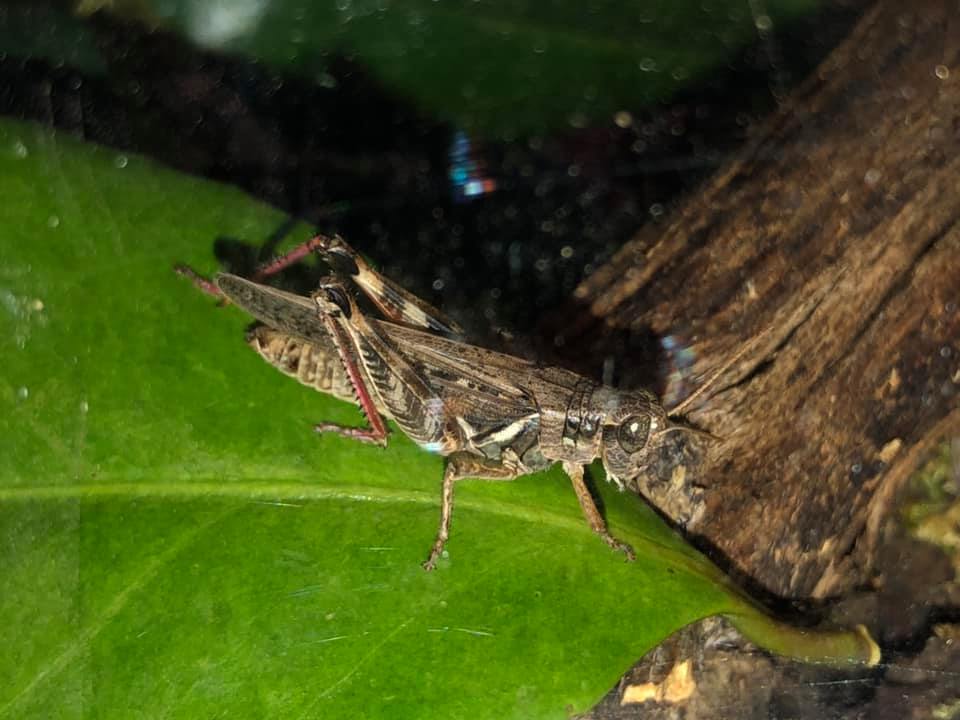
[633, 433]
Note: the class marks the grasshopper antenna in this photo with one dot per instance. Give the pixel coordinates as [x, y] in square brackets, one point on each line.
[692, 430]
[679, 409]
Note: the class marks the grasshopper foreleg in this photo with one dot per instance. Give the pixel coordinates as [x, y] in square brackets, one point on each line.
[592, 513]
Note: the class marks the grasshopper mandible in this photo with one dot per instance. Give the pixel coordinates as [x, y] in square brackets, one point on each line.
[494, 416]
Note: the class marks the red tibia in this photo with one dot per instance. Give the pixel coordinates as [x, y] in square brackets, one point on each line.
[378, 429]
[288, 259]
[199, 281]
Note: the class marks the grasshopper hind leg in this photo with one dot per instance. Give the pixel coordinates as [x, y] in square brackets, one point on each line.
[377, 432]
[367, 435]
[203, 284]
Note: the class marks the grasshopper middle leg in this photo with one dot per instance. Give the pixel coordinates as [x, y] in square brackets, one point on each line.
[462, 465]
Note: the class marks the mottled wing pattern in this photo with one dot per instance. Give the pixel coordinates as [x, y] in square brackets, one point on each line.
[495, 373]
[439, 391]
[486, 391]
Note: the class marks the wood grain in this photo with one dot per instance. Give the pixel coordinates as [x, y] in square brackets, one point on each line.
[830, 248]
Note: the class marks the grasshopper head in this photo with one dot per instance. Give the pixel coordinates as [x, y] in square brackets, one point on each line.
[633, 422]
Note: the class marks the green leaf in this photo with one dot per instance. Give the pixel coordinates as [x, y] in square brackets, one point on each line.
[176, 542]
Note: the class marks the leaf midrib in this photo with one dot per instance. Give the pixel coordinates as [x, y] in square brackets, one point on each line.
[278, 491]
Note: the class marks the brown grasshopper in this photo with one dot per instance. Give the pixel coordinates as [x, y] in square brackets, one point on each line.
[495, 416]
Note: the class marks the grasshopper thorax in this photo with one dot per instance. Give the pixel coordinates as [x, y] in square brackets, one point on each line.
[619, 427]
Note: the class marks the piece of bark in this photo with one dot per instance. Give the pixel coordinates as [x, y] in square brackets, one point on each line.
[708, 671]
[830, 250]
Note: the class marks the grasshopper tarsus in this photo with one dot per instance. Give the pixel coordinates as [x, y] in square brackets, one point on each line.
[202, 284]
[625, 548]
[354, 433]
[430, 563]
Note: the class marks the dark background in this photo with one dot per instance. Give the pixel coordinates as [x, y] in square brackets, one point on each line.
[356, 131]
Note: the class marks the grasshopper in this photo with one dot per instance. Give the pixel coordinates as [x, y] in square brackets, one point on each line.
[494, 416]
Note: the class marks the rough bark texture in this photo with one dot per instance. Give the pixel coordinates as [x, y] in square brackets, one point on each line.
[830, 250]
[707, 672]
